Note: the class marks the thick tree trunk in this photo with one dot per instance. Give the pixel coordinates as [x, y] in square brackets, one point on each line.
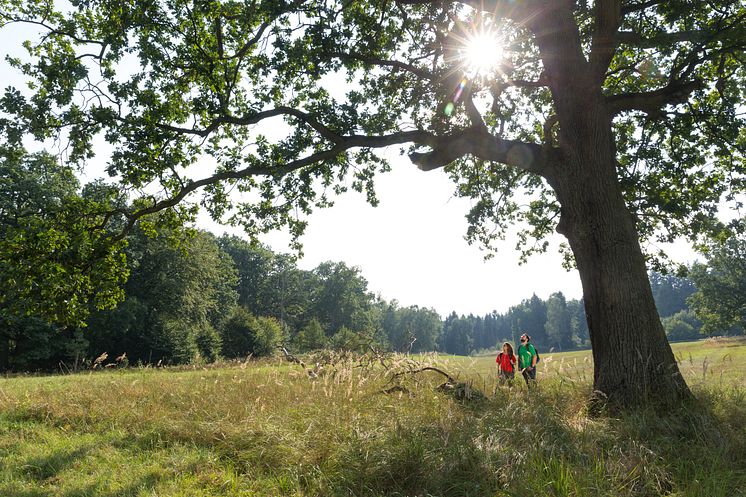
[633, 362]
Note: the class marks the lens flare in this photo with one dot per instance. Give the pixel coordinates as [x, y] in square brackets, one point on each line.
[482, 53]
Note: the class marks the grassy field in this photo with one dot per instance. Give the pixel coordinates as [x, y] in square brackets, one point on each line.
[711, 362]
[267, 429]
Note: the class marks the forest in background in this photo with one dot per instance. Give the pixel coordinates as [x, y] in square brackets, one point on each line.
[193, 297]
[165, 294]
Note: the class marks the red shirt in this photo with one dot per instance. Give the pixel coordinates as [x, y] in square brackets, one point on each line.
[506, 362]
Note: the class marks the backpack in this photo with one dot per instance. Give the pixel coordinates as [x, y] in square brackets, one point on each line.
[513, 367]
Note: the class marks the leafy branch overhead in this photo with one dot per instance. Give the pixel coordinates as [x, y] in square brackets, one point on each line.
[287, 100]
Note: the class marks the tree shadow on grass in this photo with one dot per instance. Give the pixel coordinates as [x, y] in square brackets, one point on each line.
[47, 470]
[27, 493]
[143, 483]
[542, 445]
[50, 465]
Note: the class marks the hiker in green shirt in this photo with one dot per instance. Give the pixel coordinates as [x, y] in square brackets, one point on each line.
[527, 359]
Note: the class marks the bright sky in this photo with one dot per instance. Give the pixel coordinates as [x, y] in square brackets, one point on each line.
[410, 248]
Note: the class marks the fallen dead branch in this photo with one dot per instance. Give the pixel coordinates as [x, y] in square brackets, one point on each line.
[378, 364]
[420, 370]
[312, 373]
[459, 390]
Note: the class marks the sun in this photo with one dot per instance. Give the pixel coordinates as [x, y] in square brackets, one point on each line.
[482, 53]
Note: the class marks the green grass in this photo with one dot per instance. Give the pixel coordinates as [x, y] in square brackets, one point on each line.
[268, 430]
[707, 363]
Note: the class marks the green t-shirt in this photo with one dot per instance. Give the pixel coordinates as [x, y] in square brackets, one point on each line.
[525, 355]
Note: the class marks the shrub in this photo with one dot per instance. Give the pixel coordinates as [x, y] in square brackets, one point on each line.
[311, 337]
[682, 326]
[245, 334]
[174, 340]
[268, 337]
[208, 342]
[346, 339]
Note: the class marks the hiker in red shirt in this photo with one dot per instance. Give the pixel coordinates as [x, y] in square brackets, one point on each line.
[506, 364]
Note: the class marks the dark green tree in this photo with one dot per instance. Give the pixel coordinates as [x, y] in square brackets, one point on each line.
[311, 337]
[670, 292]
[178, 296]
[254, 264]
[578, 323]
[32, 344]
[530, 317]
[289, 292]
[619, 120]
[720, 299]
[457, 335]
[341, 298]
[558, 328]
[412, 329]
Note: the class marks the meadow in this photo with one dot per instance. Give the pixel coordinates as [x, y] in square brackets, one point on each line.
[268, 429]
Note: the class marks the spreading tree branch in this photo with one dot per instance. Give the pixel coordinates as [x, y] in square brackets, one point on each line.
[477, 142]
[660, 39]
[342, 144]
[652, 102]
[254, 118]
[499, 87]
[636, 7]
[375, 61]
[521, 12]
[607, 18]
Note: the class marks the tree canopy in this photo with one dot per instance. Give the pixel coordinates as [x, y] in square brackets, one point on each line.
[56, 259]
[176, 83]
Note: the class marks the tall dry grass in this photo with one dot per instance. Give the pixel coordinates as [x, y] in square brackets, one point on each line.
[269, 429]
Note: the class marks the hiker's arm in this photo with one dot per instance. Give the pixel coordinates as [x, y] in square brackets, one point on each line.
[533, 359]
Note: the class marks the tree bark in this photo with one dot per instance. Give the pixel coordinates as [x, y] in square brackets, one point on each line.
[633, 362]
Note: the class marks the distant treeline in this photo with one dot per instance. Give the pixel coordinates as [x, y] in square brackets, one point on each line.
[560, 324]
[199, 298]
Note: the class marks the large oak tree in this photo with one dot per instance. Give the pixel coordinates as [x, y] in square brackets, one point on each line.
[611, 122]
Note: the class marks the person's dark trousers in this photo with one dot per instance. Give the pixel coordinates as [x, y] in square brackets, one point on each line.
[506, 377]
[529, 374]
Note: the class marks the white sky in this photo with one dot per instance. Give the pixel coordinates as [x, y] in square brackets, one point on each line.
[410, 248]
